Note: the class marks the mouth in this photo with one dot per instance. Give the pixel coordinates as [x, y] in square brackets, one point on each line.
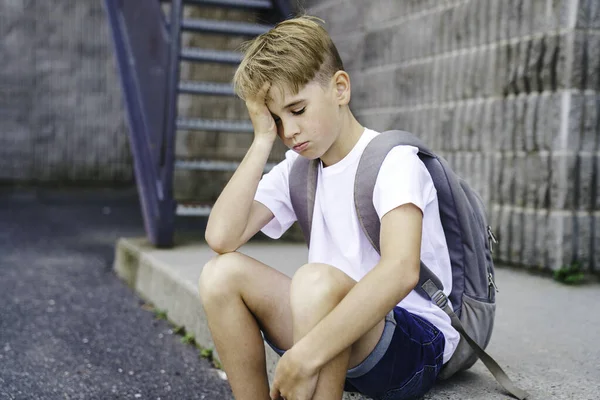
[301, 147]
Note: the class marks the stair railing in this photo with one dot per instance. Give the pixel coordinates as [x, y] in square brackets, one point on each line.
[148, 58]
[283, 7]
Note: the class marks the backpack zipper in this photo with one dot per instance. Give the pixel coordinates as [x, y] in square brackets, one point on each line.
[491, 238]
[491, 283]
[491, 286]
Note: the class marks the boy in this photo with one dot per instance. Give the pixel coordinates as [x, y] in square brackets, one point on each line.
[349, 318]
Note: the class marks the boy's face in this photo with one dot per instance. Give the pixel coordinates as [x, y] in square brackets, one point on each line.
[308, 121]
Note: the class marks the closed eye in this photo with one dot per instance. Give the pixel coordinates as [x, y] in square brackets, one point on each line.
[299, 112]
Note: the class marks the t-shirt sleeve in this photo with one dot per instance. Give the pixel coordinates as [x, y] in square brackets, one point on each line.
[402, 179]
[274, 192]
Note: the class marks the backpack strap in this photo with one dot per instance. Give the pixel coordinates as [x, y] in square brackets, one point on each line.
[429, 285]
[303, 187]
[441, 300]
[364, 185]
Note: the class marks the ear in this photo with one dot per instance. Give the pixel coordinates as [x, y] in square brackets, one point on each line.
[342, 87]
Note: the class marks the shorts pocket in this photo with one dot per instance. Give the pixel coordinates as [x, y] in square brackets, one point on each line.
[428, 327]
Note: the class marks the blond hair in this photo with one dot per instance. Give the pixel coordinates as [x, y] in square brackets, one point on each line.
[289, 56]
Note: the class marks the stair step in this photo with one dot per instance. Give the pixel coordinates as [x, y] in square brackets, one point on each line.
[224, 27]
[213, 165]
[248, 4]
[195, 124]
[211, 56]
[206, 88]
[193, 210]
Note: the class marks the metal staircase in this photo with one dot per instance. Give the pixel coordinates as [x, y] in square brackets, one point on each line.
[147, 36]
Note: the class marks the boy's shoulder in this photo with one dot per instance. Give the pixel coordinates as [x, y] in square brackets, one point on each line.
[402, 160]
[402, 152]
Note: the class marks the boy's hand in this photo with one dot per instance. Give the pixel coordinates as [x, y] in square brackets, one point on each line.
[262, 120]
[292, 380]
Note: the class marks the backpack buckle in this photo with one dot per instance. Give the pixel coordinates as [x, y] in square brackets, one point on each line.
[440, 299]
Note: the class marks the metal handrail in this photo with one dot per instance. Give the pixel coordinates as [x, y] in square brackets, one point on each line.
[144, 55]
[284, 8]
[170, 128]
[148, 57]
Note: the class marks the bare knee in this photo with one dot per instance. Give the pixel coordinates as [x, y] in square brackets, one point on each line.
[319, 284]
[220, 277]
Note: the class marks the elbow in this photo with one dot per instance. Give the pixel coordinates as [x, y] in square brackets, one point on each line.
[219, 243]
[412, 279]
[406, 273]
[409, 272]
[413, 274]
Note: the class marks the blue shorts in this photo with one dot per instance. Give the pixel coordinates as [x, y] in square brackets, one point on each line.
[405, 362]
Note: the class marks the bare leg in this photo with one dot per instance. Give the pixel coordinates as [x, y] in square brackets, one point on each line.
[316, 290]
[239, 295]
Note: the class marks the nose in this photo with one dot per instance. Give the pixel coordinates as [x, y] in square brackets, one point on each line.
[290, 128]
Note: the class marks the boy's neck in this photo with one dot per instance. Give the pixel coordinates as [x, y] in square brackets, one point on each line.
[350, 132]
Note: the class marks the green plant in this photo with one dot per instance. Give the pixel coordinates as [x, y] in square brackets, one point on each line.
[570, 274]
[160, 314]
[217, 364]
[188, 339]
[206, 353]
[209, 355]
[179, 330]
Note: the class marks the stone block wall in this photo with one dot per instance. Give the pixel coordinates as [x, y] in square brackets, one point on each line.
[505, 90]
[61, 112]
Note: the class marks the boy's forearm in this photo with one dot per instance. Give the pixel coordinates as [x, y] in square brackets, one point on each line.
[333, 334]
[229, 216]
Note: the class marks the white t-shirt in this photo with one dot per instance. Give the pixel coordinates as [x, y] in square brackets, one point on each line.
[337, 238]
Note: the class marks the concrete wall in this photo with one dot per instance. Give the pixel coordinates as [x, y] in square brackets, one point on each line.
[61, 114]
[506, 90]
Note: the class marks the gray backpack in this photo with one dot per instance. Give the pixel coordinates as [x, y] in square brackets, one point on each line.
[469, 238]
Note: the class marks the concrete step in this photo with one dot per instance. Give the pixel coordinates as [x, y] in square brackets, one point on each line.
[211, 56]
[247, 4]
[233, 28]
[168, 279]
[213, 165]
[193, 210]
[213, 122]
[214, 125]
[521, 342]
[229, 4]
[206, 88]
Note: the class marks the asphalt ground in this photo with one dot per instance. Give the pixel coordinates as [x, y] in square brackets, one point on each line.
[69, 328]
